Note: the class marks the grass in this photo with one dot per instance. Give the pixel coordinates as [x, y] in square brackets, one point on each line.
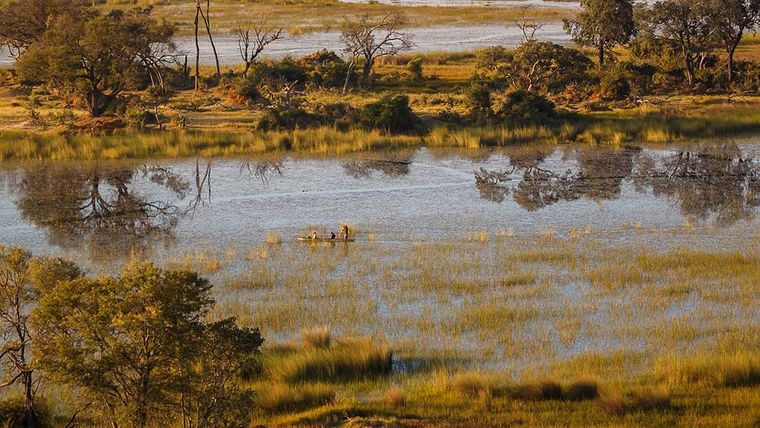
[347, 359]
[300, 16]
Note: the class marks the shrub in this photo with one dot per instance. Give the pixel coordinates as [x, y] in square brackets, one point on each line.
[478, 100]
[274, 72]
[614, 86]
[284, 119]
[244, 90]
[279, 398]
[527, 107]
[391, 114]
[324, 68]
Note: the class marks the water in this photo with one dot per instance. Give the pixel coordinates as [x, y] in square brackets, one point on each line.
[88, 210]
[429, 39]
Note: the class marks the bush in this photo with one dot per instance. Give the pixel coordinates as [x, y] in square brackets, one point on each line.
[390, 114]
[286, 119]
[614, 86]
[272, 73]
[478, 100]
[527, 107]
[244, 90]
[324, 68]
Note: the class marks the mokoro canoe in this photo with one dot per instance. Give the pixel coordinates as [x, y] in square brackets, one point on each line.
[307, 239]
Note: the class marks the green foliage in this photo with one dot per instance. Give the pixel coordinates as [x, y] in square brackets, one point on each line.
[281, 119]
[324, 69]
[124, 339]
[96, 55]
[536, 66]
[614, 85]
[479, 101]
[391, 113]
[527, 107]
[602, 24]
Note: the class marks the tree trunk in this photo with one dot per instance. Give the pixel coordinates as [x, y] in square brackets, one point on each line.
[206, 22]
[367, 72]
[690, 70]
[601, 55]
[31, 415]
[349, 72]
[98, 102]
[197, 49]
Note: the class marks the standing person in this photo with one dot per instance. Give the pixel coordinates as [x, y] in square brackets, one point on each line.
[344, 232]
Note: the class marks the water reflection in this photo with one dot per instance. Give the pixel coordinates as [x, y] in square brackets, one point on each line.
[106, 210]
[704, 181]
[389, 168]
[97, 208]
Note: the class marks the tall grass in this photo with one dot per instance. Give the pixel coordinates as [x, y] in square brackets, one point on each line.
[346, 359]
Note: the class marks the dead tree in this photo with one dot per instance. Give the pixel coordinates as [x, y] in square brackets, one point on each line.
[528, 27]
[252, 40]
[371, 37]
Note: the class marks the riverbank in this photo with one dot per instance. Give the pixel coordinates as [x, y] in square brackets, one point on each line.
[228, 133]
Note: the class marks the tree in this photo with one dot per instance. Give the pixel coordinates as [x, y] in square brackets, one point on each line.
[124, 340]
[94, 54]
[23, 22]
[731, 20]
[371, 37]
[602, 24]
[214, 398]
[686, 25]
[250, 49]
[542, 66]
[21, 280]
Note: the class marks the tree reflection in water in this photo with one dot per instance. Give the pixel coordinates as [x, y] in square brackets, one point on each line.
[704, 181]
[98, 208]
[390, 168]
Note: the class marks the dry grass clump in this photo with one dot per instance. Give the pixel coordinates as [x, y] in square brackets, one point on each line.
[471, 385]
[582, 390]
[642, 400]
[347, 359]
[732, 371]
[542, 391]
[278, 398]
[274, 238]
[318, 338]
[395, 397]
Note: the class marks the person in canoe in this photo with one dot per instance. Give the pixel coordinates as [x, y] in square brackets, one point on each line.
[344, 232]
[313, 236]
[332, 236]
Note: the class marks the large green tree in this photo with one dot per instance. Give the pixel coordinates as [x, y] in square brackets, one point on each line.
[22, 279]
[95, 54]
[23, 22]
[536, 66]
[731, 20]
[602, 24]
[124, 340]
[683, 24]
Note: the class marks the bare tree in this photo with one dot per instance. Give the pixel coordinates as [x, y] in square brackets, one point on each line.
[371, 37]
[200, 15]
[252, 40]
[529, 28]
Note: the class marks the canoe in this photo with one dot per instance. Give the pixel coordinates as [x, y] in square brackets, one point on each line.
[307, 239]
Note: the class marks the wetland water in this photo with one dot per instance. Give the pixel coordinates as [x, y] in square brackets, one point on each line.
[509, 259]
[398, 197]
